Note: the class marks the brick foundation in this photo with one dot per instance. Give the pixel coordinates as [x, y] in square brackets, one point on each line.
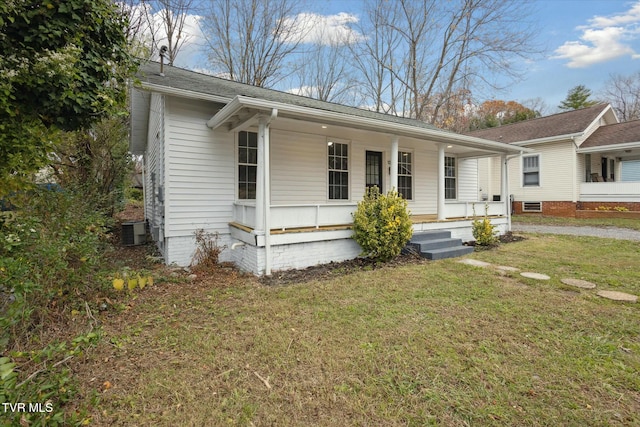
[575, 210]
[562, 209]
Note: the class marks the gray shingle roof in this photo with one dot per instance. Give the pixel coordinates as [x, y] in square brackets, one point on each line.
[179, 78]
[566, 123]
[618, 133]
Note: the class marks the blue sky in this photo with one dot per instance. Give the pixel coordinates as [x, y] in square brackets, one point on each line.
[562, 22]
[586, 41]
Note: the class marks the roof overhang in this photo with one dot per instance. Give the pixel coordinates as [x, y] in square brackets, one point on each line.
[242, 112]
[610, 148]
[555, 138]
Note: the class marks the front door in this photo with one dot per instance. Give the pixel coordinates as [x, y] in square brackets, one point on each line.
[373, 168]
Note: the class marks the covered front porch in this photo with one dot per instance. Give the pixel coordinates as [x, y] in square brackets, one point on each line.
[300, 205]
[611, 174]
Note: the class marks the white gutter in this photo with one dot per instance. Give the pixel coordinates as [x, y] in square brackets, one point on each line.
[342, 119]
[557, 138]
[612, 147]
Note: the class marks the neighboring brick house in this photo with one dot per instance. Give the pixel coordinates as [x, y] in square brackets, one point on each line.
[581, 160]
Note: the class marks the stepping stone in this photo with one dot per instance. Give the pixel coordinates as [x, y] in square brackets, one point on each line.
[617, 296]
[506, 268]
[475, 263]
[579, 283]
[536, 276]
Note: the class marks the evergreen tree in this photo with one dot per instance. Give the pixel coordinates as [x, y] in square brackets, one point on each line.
[577, 98]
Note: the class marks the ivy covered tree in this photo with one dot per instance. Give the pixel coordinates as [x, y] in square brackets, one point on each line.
[577, 97]
[63, 66]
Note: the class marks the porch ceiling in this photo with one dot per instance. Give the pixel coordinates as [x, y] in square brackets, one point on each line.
[244, 112]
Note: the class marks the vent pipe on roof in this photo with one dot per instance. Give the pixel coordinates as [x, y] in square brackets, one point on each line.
[163, 52]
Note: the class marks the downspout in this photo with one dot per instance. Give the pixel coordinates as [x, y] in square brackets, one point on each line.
[265, 134]
[574, 178]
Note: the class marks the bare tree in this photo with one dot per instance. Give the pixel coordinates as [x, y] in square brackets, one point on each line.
[623, 93]
[166, 25]
[434, 51]
[251, 40]
[324, 71]
[173, 17]
[376, 60]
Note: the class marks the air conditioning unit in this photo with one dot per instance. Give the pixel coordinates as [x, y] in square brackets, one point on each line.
[134, 233]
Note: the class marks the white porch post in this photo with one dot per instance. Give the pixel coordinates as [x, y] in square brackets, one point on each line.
[258, 227]
[504, 188]
[441, 206]
[265, 177]
[394, 163]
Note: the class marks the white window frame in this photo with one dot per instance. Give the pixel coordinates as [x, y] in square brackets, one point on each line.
[247, 163]
[524, 170]
[401, 152]
[329, 143]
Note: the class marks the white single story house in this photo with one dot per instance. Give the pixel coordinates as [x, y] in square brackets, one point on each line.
[582, 159]
[278, 176]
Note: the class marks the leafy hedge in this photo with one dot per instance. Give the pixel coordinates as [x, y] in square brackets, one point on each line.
[382, 224]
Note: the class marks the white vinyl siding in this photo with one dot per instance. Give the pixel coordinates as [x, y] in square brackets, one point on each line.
[154, 168]
[200, 184]
[298, 168]
[557, 174]
[467, 180]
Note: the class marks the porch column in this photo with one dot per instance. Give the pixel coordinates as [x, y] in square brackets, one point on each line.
[260, 182]
[265, 177]
[440, 196]
[504, 189]
[394, 164]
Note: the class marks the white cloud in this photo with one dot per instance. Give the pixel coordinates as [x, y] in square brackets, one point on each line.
[604, 38]
[326, 29]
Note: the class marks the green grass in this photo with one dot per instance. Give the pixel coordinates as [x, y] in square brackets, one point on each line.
[633, 224]
[440, 343]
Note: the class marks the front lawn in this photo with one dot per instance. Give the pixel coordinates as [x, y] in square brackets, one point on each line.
[435, 343]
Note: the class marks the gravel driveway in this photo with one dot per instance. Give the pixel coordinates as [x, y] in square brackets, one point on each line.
[610, 232]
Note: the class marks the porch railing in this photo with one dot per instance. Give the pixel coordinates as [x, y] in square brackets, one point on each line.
[318, 215]
[465, 209]
[297, 216]
[610, 191]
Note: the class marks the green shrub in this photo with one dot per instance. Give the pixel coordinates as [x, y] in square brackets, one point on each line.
[483, 230]
[50, 254]
[382, 224]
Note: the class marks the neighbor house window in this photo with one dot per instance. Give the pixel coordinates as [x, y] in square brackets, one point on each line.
[531, 171]
[247, 165]
[450, 178]
[405, 181]
[338, 155]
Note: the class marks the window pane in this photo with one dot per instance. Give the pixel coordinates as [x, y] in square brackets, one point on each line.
[253, 139]
[531, 178]
[252, 155]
